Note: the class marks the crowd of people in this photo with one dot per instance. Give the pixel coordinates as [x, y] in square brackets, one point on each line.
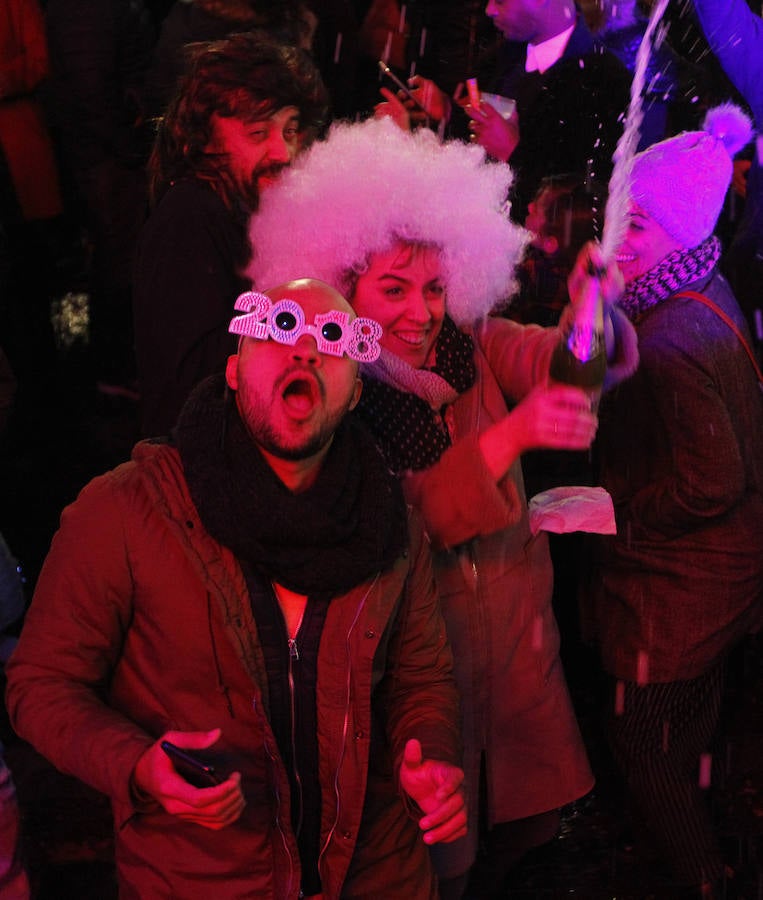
[332, 301]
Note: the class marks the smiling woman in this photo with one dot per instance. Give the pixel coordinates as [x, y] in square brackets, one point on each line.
[404, 291]
[646, 242]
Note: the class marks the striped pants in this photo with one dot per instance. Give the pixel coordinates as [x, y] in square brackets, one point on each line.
[659, 735]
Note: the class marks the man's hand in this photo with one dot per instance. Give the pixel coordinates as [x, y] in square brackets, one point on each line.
[490, 130]
[436, 787]
[395, 108]
[432, 101]
[212, 807]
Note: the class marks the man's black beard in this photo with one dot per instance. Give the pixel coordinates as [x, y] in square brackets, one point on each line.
[250, 193]
[249, 198]
[264, 437]
[266, 441]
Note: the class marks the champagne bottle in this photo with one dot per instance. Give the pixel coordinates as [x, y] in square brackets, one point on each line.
[580, 357]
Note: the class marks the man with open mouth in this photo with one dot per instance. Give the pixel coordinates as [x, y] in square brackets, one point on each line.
[257, 594]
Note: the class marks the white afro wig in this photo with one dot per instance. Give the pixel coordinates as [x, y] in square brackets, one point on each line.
[369, 185]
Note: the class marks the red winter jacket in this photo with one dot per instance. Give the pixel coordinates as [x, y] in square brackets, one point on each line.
[141, 623]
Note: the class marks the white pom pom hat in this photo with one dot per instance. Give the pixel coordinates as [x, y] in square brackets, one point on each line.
[682, 182]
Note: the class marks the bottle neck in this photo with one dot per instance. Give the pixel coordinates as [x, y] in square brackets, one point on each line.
[584, 337]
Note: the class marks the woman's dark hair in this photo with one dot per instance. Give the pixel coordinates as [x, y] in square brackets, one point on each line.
[249, 75]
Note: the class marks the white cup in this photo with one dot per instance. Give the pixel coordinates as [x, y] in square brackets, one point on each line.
[505, 106]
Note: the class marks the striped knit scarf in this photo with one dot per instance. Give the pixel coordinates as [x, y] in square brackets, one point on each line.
[679, 268]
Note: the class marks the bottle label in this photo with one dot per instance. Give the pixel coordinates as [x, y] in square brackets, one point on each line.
[584, 341]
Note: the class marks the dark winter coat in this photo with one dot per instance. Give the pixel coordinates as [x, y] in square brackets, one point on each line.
[735, 35]
[570, 117]
[141, 623]
[190, 254]
[681, 448]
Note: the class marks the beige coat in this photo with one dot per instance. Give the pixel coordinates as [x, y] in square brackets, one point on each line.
[495, 584]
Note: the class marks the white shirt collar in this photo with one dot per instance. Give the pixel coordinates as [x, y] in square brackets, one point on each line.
[542, 56]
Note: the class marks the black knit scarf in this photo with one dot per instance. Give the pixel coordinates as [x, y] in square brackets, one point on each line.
[404, 407]
[350, 524]
[679, 268]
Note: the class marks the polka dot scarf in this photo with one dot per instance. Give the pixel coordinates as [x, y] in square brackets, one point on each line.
[405, 407]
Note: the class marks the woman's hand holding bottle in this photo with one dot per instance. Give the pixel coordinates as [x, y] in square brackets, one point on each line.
[552, 416]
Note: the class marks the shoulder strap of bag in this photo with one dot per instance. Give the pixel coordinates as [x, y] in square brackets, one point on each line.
[695, 295]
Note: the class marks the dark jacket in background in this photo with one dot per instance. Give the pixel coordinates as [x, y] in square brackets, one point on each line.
[570, 117]
[735, 35]
[190, 254]
[99, 54]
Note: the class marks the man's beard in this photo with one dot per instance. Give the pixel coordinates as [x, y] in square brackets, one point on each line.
[255, 414]
[250, 191]
[264, 436]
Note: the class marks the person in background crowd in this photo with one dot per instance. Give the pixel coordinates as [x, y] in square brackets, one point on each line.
[24, 138]
[735, 35]
[565, 213]
[14, 882]
[100, 52]
[681, 452]
[620, 25]
[243, 111]
[30, 198]
[256, 590]
[192, 22]
[570, 97]
[415, 232]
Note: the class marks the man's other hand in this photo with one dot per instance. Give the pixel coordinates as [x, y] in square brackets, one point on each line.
[437, 788]
[155, 776]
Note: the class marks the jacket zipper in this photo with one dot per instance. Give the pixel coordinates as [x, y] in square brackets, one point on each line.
[480, 620]
[279, 826]
[345, 723]
[293, 658]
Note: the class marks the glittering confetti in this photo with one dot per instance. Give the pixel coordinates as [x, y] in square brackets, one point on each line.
[616, 212]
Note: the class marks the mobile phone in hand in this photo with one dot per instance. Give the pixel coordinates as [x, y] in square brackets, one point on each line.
[473, 90]
[398, 83]
[195, 772]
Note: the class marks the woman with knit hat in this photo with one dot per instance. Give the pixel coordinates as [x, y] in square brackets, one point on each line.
[417, 232]
[681, 451]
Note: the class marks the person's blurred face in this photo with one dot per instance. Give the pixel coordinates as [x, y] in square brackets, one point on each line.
[291, 397]
[645, 244]
[538, 212]
[404, 290]
[255, 152]
[515, 19]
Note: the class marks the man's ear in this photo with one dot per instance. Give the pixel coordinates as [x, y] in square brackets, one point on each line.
[356, 394]
[231, 372]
